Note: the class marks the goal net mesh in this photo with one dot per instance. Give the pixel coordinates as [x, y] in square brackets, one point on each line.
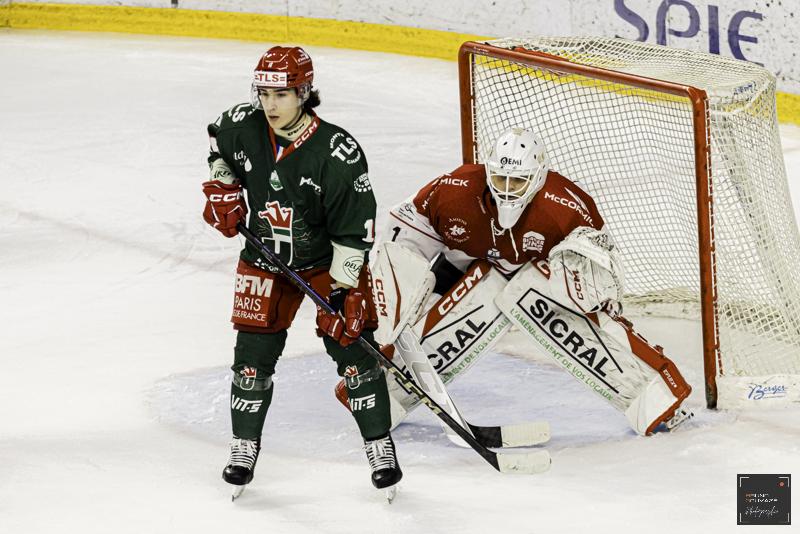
[633, 150]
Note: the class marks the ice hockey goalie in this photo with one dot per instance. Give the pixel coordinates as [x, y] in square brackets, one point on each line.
[515, 243]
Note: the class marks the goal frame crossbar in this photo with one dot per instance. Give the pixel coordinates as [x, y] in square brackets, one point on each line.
[698, 100]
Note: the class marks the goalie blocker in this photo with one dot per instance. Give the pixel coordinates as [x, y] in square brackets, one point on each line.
[601, 351]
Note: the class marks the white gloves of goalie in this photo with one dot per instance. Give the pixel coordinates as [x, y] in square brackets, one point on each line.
[585, 271]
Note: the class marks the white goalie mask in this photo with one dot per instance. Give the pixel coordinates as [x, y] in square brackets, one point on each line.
[515, 171]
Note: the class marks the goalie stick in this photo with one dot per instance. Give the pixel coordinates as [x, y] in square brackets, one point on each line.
[526, 463]
[418, 364]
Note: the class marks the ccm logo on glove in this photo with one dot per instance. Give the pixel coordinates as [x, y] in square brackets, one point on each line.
[230, 197]
[225, 206]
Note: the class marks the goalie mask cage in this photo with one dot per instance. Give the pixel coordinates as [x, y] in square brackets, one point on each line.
[682, 153]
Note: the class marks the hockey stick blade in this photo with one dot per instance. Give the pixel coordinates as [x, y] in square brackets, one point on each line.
[518, 435]
[422, 371]
[528, 463]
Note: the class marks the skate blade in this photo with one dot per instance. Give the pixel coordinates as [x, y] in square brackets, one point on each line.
[391, 493]
[677, 422]
[237, 492]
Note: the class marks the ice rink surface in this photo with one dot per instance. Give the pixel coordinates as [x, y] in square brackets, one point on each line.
[115, 337]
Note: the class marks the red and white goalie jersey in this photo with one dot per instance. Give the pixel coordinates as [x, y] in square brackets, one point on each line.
[562, 288]
[454, 214]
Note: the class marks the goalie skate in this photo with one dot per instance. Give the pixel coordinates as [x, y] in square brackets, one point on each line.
[677, 421]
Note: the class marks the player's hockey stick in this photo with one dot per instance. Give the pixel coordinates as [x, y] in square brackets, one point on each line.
[527, 463]
[417, 363]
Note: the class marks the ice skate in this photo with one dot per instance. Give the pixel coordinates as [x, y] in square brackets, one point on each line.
[386, 471]
[678, 419]
[241, 464]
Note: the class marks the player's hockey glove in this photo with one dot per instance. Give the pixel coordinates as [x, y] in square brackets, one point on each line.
[225, 206]
[347, 323]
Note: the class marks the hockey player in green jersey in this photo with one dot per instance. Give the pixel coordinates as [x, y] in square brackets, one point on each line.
[309, 198]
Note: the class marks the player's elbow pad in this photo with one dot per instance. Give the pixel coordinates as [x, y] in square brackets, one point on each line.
[219, 170]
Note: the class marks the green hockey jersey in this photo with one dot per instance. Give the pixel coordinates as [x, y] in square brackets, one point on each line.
[302, 195]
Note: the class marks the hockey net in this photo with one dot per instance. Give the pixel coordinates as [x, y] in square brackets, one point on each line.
[681, 151]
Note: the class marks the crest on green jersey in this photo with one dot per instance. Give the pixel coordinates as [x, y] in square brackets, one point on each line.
[280, 221]
[275, 182]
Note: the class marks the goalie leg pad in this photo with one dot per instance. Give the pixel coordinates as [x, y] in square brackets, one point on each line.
[464, 323]
[602, 352]
[456, 331]
[664, 394]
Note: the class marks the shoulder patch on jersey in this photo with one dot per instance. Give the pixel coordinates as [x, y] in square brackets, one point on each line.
[362, 184]
[345, 148]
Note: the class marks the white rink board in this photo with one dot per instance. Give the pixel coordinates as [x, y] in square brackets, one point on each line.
[763, 31]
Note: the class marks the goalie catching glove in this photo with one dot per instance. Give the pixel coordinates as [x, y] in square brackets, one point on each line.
[585, 272]
[347, 323]
[225, 206]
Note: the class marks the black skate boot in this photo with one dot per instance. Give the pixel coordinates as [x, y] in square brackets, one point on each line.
[383, 462]
[242, 462]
